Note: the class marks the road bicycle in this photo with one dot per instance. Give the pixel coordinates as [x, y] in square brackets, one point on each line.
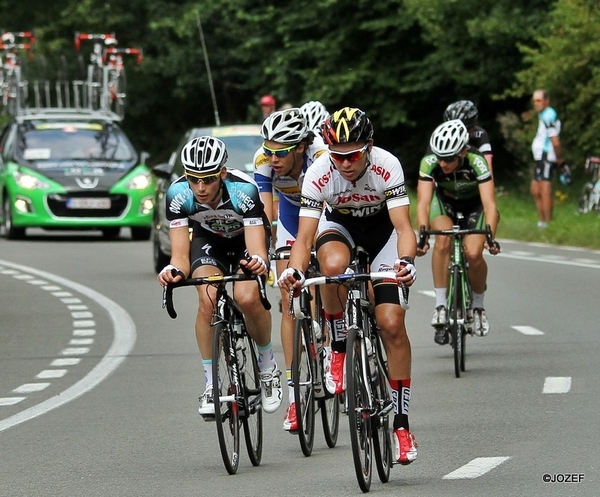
[367, 391]
[13, 87]
[308, 370]
[459, 294]
[103, 84]
[589, 200]
[235, 366]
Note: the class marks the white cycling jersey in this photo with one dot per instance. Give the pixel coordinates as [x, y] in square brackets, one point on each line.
[362, 204]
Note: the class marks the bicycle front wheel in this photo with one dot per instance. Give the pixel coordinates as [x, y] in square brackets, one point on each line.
[382, 439]
[359, 412]
[252, 417]
[455, 314]
[303, 369]
[227, 415]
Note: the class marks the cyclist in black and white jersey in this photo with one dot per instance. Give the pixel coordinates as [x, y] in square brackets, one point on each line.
[456, 178]
[224, 210]
[363, 191]
[279, 168]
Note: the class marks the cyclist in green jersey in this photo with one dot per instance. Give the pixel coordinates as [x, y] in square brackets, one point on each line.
[454, 179]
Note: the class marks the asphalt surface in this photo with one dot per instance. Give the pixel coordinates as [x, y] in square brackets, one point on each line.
[99, 387]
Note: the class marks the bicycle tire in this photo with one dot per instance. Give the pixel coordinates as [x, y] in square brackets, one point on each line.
[359, 415]
[585, 204]
[382, 439]
[227, 415]
[303, 374]
[252, 419]
[455, 327]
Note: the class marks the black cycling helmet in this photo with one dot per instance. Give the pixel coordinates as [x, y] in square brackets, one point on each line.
[465, 110]
[347, 125]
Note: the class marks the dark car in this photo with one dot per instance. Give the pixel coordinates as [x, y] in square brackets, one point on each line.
[74, 169]
[241, 141]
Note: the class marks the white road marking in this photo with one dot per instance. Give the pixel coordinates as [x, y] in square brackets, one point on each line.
[31, 387]
[429, 293]
[76, 307]
[82, 314]
[123, 342]
[68, 361]
[62, 294]
[51, 288]
[538, 258]
[37, 282]
[75, 350]
[23, 277]
[528, 330]
[10, 401]
[51, 373]
[475, 468]
[84, 333]
[81, 341]
[84, 324]
[557, 384]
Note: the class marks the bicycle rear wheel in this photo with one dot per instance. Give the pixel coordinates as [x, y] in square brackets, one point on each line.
[359, 412]
[227, 415]
[303, 374]
[455, 311]
[330, 417]
[252, 417]
[382, 439]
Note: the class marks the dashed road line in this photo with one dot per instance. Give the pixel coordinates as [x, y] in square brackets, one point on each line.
[528, 330]
[557, 384]
[475, 468]
[123, 341]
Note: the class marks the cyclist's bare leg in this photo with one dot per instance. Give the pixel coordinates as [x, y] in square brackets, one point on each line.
[207, 296]
[473, 246]
[440, 257]
[287, 322]
[390, 319]
[541, 191]
[258, 319]
[334, 258]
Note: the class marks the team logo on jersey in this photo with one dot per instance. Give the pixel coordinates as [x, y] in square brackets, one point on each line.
[356, 197]
[177, 203]
[366, 210]
[323, 180]
[310, 203]
[380, 171]
[397, 191]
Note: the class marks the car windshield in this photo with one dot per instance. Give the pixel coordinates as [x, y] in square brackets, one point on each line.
[240, 151]
[75, 141]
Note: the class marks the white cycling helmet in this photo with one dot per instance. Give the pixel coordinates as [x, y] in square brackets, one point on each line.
[203, 155]
[449, 138]
[285, 126]
[315, 114]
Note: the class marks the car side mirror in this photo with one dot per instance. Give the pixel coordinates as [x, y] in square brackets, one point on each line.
[144, 156]
[163, 171]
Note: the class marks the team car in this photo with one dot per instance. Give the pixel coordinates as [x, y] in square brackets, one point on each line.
[241, 142]
[72, 169]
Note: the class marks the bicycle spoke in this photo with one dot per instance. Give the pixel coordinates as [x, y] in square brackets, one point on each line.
[303, 366]
[252, 416]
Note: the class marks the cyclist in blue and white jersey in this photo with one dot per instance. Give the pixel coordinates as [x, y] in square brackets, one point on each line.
[224, 210]
[279, 168]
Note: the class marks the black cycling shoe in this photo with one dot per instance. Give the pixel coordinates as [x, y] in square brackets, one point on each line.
[441, 336]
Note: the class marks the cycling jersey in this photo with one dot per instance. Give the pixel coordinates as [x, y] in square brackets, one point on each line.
[361, 205]
[461, 184]
[549, 126]
[240, 206]
[286, 188]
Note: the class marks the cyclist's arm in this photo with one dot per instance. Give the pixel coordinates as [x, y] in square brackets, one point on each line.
[180, 254]
[488, 200]
[424, 195]
[269, 203]
[557, 149]
[407, 241]
[300, 254]
[255, 239]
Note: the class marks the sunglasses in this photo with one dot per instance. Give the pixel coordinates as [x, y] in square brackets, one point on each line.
[447, 159]
[280, 152]
[207, 180]
[352, 156]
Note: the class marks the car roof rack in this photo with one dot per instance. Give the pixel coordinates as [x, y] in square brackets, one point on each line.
[71, 113]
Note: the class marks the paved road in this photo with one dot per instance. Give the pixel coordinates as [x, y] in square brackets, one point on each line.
[98, 387]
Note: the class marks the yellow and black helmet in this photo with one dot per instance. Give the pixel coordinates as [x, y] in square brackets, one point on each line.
[347, 125]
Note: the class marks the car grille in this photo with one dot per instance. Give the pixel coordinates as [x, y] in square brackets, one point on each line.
[58, 205]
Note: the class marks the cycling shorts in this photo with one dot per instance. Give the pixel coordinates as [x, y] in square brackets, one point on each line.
[543, 169]
[472, 211]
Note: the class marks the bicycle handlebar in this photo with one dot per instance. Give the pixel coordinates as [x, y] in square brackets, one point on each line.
[217, 279]
[107, 37]
[457, 232]
[351, 277]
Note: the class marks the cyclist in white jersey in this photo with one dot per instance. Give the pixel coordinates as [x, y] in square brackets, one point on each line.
[279, 169]
[363, 191]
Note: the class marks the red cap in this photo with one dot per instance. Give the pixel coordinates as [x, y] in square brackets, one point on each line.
[267, 100]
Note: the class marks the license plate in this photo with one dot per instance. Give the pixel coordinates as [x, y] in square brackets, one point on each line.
[88, 203]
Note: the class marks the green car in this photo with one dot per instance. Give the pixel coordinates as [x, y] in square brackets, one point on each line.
[63, 169]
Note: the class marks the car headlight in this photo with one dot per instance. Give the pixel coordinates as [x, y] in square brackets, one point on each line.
[139, 182]
[29, 182]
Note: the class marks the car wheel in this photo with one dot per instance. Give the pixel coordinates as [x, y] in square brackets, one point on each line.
[160, 258]
[10, 232]
[141, 233]
[111, 233]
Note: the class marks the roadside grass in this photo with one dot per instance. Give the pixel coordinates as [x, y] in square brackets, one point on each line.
[518, 218]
